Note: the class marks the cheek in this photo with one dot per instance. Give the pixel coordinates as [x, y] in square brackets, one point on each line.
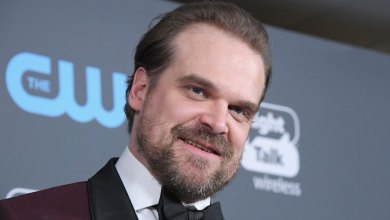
[176, 113]
[164, 106]
[238, 138]
[180, 110]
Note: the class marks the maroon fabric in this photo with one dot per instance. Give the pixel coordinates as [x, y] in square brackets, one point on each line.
[68, 202]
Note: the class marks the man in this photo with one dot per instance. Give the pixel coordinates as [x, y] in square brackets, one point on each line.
[200, 75]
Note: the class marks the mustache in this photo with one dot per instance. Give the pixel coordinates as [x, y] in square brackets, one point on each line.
[204, 135]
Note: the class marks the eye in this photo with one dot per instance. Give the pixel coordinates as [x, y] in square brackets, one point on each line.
[236, 109]
[197, 90]
[241, 114]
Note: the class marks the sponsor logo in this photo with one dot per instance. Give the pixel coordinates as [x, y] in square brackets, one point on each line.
[272, 150]
[18, 191]
[31, 84]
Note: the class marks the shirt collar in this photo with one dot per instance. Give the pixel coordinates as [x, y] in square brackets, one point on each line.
[141, 187]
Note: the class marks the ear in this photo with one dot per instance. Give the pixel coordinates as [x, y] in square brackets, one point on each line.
[138, 89]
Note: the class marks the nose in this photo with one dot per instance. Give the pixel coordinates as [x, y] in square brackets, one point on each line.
[215, 118]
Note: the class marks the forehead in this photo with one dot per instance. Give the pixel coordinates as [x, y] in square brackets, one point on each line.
[220, 57]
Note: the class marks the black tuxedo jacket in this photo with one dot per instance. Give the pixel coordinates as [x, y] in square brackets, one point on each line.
[102, 197]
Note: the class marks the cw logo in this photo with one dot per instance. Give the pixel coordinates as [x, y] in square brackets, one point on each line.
[64, 102]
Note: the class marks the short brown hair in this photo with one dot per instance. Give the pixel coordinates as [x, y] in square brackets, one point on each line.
[154, 51]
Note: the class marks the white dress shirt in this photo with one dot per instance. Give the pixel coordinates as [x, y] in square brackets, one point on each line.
[142, 188]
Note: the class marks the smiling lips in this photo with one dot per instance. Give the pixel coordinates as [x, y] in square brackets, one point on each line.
[208, 149]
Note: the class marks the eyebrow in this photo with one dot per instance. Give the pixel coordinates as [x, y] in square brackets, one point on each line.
[193, 78]
[249, 105]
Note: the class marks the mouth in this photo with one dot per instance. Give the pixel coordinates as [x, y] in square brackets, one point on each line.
[204, 147]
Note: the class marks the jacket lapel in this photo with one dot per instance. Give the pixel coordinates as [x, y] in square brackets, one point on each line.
[107, 196]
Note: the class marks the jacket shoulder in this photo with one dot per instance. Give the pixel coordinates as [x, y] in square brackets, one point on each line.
[62, 202]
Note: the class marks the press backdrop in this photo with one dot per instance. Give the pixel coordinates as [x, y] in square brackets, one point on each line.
[319, 148]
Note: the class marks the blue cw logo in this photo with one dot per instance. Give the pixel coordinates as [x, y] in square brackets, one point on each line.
[64, 102]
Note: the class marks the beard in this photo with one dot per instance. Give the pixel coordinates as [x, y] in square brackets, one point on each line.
[188, 176]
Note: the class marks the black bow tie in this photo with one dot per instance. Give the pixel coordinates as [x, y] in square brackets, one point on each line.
[170, 208]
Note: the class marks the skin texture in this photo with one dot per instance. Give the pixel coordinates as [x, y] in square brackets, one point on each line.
[206, 98]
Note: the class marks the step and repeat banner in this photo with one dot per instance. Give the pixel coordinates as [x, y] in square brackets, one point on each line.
[318, 148]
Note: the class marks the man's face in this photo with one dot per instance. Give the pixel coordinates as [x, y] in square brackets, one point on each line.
[193, 124]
